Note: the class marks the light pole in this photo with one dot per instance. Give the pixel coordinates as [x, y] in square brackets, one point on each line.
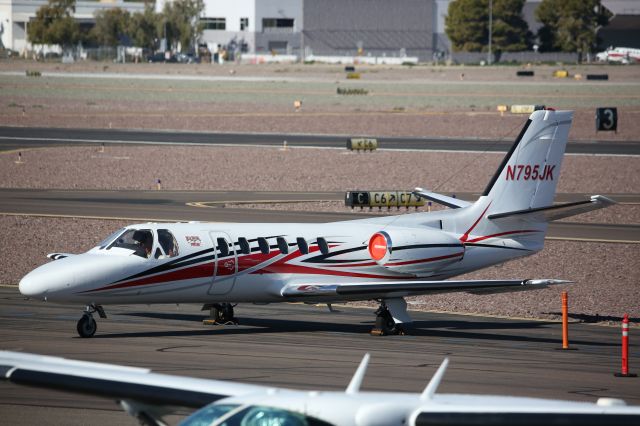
[489, 55]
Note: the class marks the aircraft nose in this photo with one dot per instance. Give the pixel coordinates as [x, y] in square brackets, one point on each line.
[31, 285]
[48, 280]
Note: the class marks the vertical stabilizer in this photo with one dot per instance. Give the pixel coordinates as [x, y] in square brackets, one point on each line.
[528, 175]
[526, 179]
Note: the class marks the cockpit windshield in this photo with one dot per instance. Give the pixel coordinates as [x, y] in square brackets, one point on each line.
[102, 244]
[138, 240]
[252, 415]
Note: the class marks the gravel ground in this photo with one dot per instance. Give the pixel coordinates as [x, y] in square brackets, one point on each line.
[267, 169]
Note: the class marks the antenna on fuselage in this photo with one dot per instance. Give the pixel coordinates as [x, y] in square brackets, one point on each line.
[433, 384]
[358, 376]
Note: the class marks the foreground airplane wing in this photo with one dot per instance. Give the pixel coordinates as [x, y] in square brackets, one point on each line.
[117, 382]
[251, 405]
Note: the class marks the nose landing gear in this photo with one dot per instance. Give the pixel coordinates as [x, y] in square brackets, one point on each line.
[87, 325]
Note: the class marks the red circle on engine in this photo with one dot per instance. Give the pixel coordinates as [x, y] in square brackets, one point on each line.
[378, 247]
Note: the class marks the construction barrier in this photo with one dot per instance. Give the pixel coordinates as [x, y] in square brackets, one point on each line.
[625, 349]
[597, 76]
[565, 320]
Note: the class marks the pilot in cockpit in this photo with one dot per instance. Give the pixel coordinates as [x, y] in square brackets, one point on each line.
[144, 241]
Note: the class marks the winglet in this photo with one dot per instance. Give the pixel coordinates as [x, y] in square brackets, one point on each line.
[358, 376]
[430, 390]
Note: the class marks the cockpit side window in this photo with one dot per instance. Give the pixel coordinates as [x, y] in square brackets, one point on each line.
[168, 242]
[138, 240]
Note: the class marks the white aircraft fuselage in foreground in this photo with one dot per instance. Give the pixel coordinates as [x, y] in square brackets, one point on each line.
[150, 396]
[384, 258]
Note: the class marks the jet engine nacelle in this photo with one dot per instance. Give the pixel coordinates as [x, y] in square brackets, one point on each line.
[418, 252]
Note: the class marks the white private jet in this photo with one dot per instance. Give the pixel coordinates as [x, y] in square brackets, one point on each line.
[383, 259]
[149, 396]
[624, 55]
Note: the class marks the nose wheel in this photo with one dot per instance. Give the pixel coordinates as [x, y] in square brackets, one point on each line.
[87, 326]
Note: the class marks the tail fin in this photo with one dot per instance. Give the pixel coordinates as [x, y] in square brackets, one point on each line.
[528, 175]
[526, 179]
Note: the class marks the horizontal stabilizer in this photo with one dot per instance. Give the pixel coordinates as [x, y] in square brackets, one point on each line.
[405, 287]
[451, 202]
[558, 211]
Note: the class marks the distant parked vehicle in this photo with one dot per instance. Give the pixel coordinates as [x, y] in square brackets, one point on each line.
[187, 58]
[161, 57]
[624, 55]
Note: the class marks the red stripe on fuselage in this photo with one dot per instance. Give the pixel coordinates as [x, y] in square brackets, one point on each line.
[198, 271]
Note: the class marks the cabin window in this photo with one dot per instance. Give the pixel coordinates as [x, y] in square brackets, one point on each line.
[302, 245]
[168, 243]
[264, 245]
[244, 245]
[138, 240]
[282, 245]
[324, 247]
[223, 247]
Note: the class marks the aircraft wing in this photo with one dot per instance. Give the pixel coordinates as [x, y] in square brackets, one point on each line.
[389, 289]
[116, 382]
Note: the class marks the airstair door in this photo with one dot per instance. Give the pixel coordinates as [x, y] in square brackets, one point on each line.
[226, 265]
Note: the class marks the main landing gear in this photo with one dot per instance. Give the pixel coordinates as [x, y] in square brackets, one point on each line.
[390, 317]
[220, 314]
[87, 325]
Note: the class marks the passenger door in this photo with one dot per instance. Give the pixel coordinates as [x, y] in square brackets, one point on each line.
[226, 264]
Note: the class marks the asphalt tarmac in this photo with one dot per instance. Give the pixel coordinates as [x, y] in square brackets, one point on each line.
[301, 346]
[12, 138]
[223, 206]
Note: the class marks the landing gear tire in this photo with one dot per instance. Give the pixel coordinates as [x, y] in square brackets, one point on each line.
[87, 326]
[385, 325]
[221, 314]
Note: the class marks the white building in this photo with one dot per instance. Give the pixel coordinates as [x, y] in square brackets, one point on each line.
[16, 14]
[252, 25]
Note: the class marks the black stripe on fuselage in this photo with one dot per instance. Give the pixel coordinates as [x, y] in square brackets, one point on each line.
[430, 418]
[497, 247]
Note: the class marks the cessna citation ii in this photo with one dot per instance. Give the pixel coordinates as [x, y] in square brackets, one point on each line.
[149, 396]
[383, 259]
